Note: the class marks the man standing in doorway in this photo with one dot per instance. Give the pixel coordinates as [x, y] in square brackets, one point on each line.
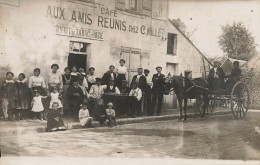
[158, 90]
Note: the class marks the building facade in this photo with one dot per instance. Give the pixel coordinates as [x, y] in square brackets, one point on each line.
[93, 33]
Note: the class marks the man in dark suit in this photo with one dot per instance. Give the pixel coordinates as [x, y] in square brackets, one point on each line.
[158, 90]
[109, 75]
[216, 77]
[139, 79]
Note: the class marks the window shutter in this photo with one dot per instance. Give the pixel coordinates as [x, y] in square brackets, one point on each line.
[120, 4]
[147, 4]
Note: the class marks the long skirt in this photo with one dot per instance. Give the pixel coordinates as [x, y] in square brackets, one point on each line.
[65, 98]
[54, 125]
[119, 80]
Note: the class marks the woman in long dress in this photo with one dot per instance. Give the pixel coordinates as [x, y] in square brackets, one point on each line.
[66, 78]
[121, 71]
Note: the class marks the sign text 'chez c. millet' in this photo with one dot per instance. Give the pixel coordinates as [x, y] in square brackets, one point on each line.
[107, 19]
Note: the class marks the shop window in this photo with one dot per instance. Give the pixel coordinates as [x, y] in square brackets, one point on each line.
[78, 47]
[171, 44]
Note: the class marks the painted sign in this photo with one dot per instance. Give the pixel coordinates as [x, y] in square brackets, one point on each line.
[79, 32]
[107, 18]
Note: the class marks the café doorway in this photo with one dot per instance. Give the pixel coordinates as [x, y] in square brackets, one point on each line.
[78, 55]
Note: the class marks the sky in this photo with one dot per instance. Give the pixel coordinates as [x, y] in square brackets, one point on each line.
[205, 18]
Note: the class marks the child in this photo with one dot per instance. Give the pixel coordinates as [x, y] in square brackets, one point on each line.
[111, 114]
[100, 113]
[84, 117]
[55, 97]
[136, 105]
[8, 90]
[82, 72]
[22, 96]
[54, 122]
[37, 106]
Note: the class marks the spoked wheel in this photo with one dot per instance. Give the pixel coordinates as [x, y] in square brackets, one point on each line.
[200, 104]
[239, 100]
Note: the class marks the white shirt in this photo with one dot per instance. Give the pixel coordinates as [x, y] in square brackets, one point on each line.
[55, 79]
[121, 69]
[91, 78]
[149, 80]
[215, 73]
[36, 81]
[112, 76]
[137, 78]
[96, 91]
[137, 93]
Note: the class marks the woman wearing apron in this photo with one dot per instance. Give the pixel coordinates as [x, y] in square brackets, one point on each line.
[66, 79]
[121, 71]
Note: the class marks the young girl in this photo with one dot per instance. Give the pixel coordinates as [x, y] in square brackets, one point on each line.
[55, 97]
[22, 96]
[37, 106]
[84, 117]
[8, 91]
[55, 122]
[111, 114]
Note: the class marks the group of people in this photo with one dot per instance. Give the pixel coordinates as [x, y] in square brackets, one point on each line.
[79, 94]
[217, 77]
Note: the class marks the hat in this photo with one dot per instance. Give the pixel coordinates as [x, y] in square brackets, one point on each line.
[122, 60]
[139, 68]
[111, 66]
[146, 70]
[98, 79]
[158, 67]
[91, 68]
[109, 104]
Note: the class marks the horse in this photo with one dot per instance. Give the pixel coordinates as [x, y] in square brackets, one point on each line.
[185, 89]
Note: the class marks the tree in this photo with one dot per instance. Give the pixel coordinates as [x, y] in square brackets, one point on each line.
[182, 27]
[237, 42]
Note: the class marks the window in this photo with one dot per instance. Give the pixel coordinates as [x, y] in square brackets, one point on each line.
[171, 44]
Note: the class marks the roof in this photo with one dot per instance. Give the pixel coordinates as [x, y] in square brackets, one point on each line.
[191, 43]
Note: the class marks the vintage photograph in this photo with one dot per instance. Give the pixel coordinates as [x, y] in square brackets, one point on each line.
[129, 82]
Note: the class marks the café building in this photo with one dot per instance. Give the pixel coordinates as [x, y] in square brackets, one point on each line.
[93, 33]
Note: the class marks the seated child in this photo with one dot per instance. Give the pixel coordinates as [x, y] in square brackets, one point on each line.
[84, 117]
[111, 114]
[55, 97]
[100, 113]
[54, 122]
[37, 106]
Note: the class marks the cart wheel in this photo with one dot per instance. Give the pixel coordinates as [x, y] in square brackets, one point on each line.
[200, 103]
[239, 100]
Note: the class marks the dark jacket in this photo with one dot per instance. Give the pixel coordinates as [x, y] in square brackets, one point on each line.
[71, 94]
[221, 76]
[125, 90]
[106, 78]
[141, 84]
[235, 73]
[158, 83]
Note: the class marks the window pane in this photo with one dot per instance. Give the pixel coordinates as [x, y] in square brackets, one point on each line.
[170, 43]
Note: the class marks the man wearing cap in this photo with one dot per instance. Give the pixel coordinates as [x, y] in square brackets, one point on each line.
[235, 75]
[139, 79]
[216, 77]
[109, 75]
[158, 90]
[91, 78]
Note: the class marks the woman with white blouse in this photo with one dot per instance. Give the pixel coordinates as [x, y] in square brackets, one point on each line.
[121, 71]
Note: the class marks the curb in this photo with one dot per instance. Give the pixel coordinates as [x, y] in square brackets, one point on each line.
[76, 125]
